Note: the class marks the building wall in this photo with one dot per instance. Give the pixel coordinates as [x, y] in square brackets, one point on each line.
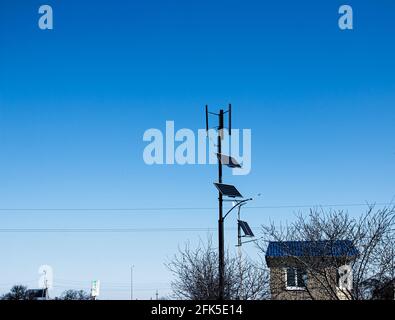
[320, 285]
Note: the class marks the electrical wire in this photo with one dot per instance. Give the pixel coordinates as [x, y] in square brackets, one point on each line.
[178, 210]
[105, 230]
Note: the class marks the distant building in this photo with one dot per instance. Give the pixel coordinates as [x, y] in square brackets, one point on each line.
[305, 270]
[38, 294]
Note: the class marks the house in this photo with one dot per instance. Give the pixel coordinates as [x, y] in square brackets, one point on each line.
[306, 270]
[38, 294]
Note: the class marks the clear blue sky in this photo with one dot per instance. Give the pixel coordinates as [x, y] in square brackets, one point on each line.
[75, 102]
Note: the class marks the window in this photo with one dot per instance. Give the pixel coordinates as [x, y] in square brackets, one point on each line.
[344, 277]
[295, 278]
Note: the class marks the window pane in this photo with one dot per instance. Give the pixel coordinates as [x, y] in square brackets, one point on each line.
[291, 277]
[302, 278]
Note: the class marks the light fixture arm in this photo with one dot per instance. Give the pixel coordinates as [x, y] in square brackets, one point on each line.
[239, 203]
[254, 240]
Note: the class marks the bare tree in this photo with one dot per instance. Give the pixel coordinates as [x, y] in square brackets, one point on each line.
[17, 292]
[373, 235]
[75, 295]
[196, 275]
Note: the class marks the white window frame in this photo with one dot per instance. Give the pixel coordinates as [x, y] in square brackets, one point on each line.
[292, 288]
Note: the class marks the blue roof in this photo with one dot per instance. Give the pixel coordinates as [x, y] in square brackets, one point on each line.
[323, 248]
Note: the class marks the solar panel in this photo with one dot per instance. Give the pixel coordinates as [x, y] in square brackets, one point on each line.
[228, 190]
[246, 229]
[228, 161]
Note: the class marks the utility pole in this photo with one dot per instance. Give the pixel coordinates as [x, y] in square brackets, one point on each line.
[229, 191]
[220, 131]
[46, 285]
[131, 282]
[239, 244]
[220, 209]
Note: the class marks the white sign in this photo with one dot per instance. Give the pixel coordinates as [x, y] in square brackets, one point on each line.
[95, 291]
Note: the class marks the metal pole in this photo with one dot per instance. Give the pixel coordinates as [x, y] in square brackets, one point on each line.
[220, 218]
[238, 229]
[239, 243]
[131, 282]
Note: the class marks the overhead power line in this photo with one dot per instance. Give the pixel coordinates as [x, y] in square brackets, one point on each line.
[103, 230]
[139, 211]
